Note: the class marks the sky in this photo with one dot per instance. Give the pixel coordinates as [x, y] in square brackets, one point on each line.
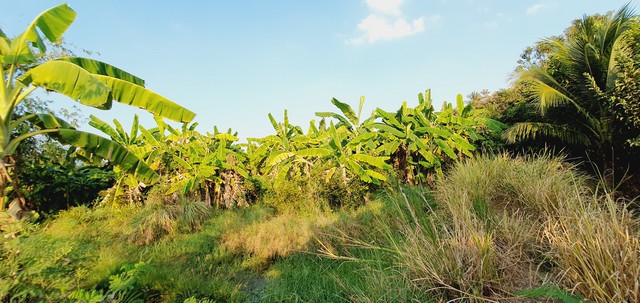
[234, 61]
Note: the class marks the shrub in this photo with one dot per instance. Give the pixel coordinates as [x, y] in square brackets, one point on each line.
[157, 219]
[310, 194]
[505, 224]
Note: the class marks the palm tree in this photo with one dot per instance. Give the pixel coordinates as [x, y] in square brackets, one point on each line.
[23, 69]
[577, 88]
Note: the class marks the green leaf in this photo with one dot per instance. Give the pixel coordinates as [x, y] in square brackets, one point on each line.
[391, 147]
[224, 136]
[377, 175]
[346, 110]
[70, 80]
[104, 69]
[104, 127]
[388, 129]
[462, 142]
[440, 132]
[133, 135]
[241, 171]
[148, 137]
[532, 130]
[358, 170]
[329, 174]
[282, 174]
[48, 121]
[52, 23]
[341, 119]
[109, 150]
[459, 104]
[446, 148]
[364, 137]
[275, 124]
[124, 138]
[360, 108]
[182, 162]
[389, 118]
[136, 95]
[378, 162]
[177, 185]
[314, 152]
[278, 158]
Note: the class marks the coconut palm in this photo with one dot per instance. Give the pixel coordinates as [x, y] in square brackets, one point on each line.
[578, 88]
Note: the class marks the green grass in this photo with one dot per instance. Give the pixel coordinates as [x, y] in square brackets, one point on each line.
[495, 227]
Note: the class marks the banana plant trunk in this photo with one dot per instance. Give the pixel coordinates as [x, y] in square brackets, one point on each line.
[400, 161]
[6, 179]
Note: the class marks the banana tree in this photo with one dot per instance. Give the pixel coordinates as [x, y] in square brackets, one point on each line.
[211, 166]
[349, 118]
[347, 157]
[24, 69]
[420, 141]
[127, 184]
[276, 155]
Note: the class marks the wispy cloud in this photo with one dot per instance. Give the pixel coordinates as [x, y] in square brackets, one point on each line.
[386, 22]
[534, 9]
[390, 7]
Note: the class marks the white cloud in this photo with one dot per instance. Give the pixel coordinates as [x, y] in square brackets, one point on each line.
[390, 7]
[536, 8]
[386, 22]
[376, 28]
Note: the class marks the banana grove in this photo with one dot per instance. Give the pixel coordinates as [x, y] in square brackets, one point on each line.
[411, 145]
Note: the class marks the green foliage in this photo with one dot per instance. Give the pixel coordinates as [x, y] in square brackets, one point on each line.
[414, 144]
[582, 86]
[55, 186]
[421, 141]
[313, 193]
[24, 67]
[83, 249]
[123, 287]
[208, 166]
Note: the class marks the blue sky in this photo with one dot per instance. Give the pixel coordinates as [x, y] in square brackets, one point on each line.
[234, 61]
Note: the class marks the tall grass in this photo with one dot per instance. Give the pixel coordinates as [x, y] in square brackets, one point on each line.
[500, 225]
[158, 219]
[596, 246]
[276, 237]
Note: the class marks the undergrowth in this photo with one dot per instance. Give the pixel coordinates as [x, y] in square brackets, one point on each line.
[496, 229]
[501, 225]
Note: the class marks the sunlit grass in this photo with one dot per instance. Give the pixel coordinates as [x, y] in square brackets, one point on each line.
[493, 227]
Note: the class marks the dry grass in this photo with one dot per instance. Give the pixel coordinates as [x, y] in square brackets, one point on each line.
[504, 225]
[277, 236]
[596, 246]
[159, 219]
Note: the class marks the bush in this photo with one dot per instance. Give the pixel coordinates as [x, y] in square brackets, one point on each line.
[157, 219]
[310, 194]
[504, 224]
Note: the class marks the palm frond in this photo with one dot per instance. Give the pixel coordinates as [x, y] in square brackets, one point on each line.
[549, 93]
[539, 130]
